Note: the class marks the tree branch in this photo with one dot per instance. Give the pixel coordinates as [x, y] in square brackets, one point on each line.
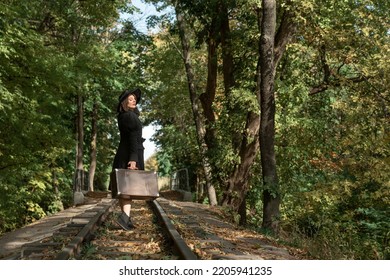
[325, 85]
[283, 36]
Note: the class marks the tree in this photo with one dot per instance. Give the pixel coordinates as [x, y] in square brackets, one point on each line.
[267, 124]
[200, 129]
[214, 19]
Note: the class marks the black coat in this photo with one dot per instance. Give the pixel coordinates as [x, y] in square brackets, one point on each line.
[131, 142]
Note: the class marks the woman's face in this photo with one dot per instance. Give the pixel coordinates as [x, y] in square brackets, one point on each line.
[131, 102]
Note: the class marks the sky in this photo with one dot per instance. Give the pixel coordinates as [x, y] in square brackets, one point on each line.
[139, 19]
[150, 147]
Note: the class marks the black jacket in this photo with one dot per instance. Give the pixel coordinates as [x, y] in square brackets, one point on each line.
[131, 142]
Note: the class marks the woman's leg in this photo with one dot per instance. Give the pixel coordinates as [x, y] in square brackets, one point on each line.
[125, 205]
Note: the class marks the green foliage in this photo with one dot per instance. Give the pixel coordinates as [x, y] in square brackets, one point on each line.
[333, 147]
[169, 107]
[165, 166]
[51, 52]
[336, 137]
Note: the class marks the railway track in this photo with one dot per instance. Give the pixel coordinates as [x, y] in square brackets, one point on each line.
[94, 235]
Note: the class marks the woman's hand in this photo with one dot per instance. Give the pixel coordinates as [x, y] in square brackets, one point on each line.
[132, 165]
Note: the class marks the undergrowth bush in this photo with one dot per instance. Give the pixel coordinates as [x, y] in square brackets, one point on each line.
[338, 231]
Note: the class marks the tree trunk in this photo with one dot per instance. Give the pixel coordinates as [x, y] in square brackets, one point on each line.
[79, 145]
[271, 193]
[227, 53]
[92, 167]
[207, 98]
[238, 180]
[79, 173]
[200, 127]
[248, 145]
[228, 67]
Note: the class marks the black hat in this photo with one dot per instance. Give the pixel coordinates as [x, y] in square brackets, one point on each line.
[136, 92]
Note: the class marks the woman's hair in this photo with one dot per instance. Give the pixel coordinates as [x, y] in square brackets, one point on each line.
[123, 106]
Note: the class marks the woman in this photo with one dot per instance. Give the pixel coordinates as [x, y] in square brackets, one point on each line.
[130, 150]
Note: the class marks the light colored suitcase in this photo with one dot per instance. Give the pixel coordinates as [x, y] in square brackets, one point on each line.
[134, 184]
